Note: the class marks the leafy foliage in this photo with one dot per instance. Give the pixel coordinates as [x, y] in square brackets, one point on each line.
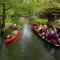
[31, 8]
[52, 10]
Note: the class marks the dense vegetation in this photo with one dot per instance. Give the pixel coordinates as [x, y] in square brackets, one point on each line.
[31, 9]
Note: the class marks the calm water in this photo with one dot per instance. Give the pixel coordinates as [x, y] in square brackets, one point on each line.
[28, 47]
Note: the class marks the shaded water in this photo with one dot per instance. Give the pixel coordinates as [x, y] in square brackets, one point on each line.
[28, 47]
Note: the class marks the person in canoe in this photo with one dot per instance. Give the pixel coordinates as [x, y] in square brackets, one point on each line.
[52, 36]
[14, 32]
[14, 26]
[35, 26]
[50, 33]
[40, 28]
[44, 30]
[45, 27]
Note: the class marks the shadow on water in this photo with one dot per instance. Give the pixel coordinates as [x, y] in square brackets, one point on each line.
[1, 42]
[29, 47]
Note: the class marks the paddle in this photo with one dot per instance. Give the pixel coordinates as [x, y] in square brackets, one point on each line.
[55, 31]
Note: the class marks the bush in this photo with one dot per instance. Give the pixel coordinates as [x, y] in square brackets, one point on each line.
[57, 21]
[7, 31]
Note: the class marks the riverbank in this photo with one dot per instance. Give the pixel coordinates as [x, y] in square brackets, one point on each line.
[44, 20]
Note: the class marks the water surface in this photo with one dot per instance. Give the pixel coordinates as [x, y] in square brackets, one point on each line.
[28, 47]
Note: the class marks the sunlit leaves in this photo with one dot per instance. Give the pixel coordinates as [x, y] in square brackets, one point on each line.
[10, 12]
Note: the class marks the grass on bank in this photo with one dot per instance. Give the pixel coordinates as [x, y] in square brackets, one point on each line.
[43, 20]
[40, 20]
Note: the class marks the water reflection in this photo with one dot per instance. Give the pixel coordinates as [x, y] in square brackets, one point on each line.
[25, 36]
[26, 31]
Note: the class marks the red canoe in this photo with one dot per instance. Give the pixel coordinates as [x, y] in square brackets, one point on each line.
[10, 39]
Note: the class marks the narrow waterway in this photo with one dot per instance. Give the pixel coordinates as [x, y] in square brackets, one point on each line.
[28, 47]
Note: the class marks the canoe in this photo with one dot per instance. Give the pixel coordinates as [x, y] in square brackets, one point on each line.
[12, 38]
[50, 42]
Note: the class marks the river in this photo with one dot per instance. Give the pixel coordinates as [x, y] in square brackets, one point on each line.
[28, 47]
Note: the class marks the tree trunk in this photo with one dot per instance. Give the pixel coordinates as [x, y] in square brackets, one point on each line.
[3, 23]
